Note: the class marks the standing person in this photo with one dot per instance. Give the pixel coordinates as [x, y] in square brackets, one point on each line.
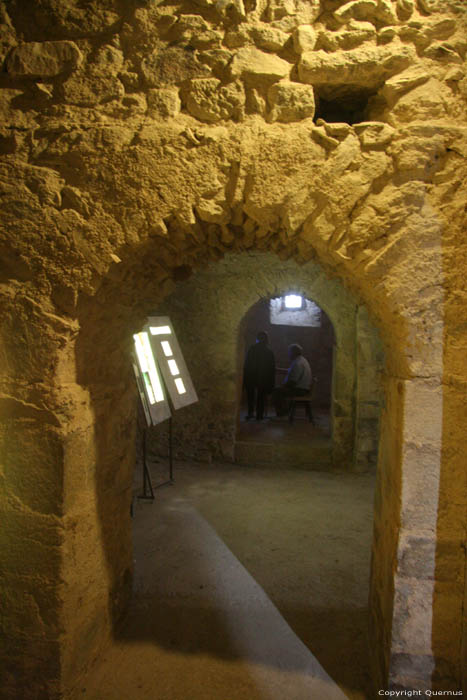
[259, 375]
[297, 381]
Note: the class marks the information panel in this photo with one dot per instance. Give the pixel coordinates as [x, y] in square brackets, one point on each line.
[149, 381]
[170, 359]
[142, 393]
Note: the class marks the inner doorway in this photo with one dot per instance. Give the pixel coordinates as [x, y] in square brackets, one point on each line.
[289, 319]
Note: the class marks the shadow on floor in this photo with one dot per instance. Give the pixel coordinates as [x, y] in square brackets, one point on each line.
[223, 545]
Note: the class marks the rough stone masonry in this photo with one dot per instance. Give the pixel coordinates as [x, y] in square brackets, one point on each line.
[140, 139]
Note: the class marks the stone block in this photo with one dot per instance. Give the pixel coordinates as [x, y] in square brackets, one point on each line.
[304, 38]
[420, 492]
[209, 101]
[90, 90]
[173, 66]
[386, 34]
[441, 28]
[212, 212]
[217, 60]
[366, 67]
[290, 102]
[337, 130]
[163, 102]
[108, 59]
[188, 26]
[374, 134]
[414, 34]
[33, 465]
[291, 13]
[72, 198]
[320, 135]
[355, 34]
[428, 6]
[256, 67]
[357, 9]
[405, 9]
[255, 102]
[411, 620]
[454, 74]
[386, 13]
[130, 80]
[269, 38]
[409, 671]
[399, 84]
[45, 59]
[234, 39]
[230, 8]
[443, 52]
[416, 557]
[417, 154]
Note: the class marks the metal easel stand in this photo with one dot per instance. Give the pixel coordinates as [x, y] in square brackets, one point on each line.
[171, 467]
[148, 491]
[148, 488]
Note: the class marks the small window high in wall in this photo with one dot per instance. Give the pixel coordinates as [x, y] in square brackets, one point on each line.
[293, 301]
[294, 310]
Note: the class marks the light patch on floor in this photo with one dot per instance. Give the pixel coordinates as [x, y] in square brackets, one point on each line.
[250, 585]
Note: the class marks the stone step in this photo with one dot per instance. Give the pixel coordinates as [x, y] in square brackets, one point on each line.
[312, 457]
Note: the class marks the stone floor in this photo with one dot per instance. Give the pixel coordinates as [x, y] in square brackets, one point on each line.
[277, 442]
[250, 584]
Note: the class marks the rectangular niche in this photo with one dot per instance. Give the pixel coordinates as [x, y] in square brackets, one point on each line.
[308, 314]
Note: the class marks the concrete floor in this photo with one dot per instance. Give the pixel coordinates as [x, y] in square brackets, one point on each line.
[250, 584]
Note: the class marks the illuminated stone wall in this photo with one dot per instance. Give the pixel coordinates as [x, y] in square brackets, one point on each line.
[208, 312]
[140, 140]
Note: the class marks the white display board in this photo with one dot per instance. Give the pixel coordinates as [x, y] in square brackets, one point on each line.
[149, 381]
[170, 359]
[142, 393]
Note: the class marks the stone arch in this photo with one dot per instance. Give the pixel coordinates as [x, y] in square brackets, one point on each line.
[101, 319]
[220, 294]
[102, 168]
[97, 418]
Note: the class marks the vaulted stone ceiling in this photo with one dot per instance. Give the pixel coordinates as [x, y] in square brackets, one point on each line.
[140, 139]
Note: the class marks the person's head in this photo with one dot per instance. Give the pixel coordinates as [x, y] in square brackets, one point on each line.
[262, 337]
[294, 351]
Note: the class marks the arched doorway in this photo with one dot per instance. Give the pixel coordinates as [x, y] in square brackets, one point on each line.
[82, 277]
[307, 325]
[98, 396]
[207, 309]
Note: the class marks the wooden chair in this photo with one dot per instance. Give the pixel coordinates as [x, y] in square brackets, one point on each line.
[303, 400]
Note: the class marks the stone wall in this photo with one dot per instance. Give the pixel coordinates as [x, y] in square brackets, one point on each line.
[140, 140]
[368, 392]
[208, 313]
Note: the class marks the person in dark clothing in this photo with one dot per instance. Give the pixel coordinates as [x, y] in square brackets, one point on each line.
[259, 375]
